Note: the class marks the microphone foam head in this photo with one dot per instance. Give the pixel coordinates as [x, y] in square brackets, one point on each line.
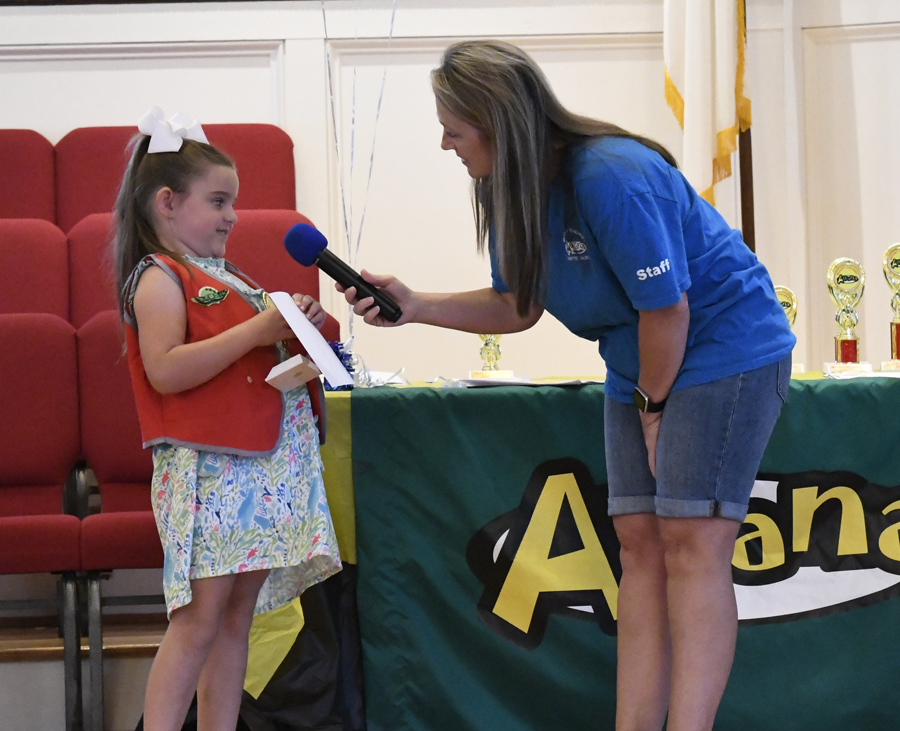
[304, 242]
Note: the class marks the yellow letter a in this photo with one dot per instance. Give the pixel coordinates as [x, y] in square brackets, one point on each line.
[533, 572]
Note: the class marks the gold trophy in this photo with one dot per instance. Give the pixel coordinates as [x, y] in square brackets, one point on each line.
[490, 359]
[788, 301]
[891, 266]
[846, 282]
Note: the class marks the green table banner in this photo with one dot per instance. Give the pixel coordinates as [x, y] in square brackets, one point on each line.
[488, 568]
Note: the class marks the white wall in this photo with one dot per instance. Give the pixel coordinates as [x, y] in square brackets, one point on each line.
[823, 76]
[816, 72]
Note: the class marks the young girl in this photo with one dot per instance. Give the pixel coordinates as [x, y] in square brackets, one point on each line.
[237, 480]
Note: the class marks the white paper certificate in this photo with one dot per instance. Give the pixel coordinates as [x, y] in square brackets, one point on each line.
[318, 349]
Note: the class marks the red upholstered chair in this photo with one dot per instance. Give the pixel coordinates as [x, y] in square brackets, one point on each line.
[34, 267]
[90, 162]
[26, 175]
[256, 246]
[38, 449]
[123, 535]
[92, 286]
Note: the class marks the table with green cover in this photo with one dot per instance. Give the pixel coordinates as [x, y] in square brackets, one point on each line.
[488, 569]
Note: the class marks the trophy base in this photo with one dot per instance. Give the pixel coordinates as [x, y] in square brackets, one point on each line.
[490, 374]
[846, 350]
[890, 365]
[797, 368]
[847, 368]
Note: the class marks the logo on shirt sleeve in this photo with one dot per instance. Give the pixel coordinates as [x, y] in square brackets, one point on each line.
[662, 268]
[576, 248]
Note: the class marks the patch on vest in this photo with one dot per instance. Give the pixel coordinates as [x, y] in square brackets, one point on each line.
[210, 296]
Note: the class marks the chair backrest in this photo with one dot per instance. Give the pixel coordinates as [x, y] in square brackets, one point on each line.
[90, 162]
[256, 246]
[110, 431]
[26, 175]
[34, 267]
[39, 438]
[91, 278]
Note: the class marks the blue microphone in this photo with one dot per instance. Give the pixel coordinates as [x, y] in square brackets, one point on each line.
[307, 245]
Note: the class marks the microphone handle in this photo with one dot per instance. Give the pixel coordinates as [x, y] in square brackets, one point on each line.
[347, 277]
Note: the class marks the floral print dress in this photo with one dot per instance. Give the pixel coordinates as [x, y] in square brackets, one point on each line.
[221, 514]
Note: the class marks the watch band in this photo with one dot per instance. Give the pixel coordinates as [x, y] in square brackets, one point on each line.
[644, 404]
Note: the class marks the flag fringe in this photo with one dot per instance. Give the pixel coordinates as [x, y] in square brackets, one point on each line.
[674, 100]
[726, 144]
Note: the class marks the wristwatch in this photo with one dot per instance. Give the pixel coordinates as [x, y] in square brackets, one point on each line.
[644, 404]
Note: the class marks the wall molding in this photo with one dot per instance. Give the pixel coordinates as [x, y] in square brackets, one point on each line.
[268, 52]
[852, 33]
[119, 51]
[349, 48]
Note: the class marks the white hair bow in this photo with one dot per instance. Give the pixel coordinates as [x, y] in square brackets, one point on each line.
[169, 135]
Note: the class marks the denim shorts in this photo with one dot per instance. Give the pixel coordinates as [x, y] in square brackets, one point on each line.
[711, 441]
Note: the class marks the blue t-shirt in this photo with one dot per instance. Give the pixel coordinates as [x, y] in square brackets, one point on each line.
[627, 232]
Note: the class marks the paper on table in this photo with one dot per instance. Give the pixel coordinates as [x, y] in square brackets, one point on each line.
[863, 374]
[485, 382]
[318, 349]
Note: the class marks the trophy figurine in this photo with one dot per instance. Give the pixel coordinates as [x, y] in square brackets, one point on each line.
[846, 282]
[892, 275]
[788, 301]
[490, 359]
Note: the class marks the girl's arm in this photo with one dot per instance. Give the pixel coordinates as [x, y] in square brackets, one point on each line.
[173, 366]
[662, 337]
[478, 311]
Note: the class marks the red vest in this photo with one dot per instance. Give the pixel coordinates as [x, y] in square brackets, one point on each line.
[236, 412]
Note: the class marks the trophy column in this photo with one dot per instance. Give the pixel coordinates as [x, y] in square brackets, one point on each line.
[846, 282]
[490, 359]
[891, 267]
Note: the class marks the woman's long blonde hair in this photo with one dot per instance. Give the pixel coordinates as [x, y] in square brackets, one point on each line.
[134, 235]
[497, 88]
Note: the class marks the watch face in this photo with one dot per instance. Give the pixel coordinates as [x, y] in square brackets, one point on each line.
[640, 399]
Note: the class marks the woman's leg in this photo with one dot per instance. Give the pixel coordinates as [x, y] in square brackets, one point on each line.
[222, 678]
[702, 616]
[187, 643]
[644, 645]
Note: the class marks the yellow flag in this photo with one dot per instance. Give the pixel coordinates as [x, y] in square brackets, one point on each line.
[703, 47]
[272, 635]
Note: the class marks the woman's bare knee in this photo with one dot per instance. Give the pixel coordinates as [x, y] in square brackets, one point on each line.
[697, 544]
[640, 541]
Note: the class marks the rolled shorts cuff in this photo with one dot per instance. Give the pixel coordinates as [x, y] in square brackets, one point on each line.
[669, 508]
[631, 504]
